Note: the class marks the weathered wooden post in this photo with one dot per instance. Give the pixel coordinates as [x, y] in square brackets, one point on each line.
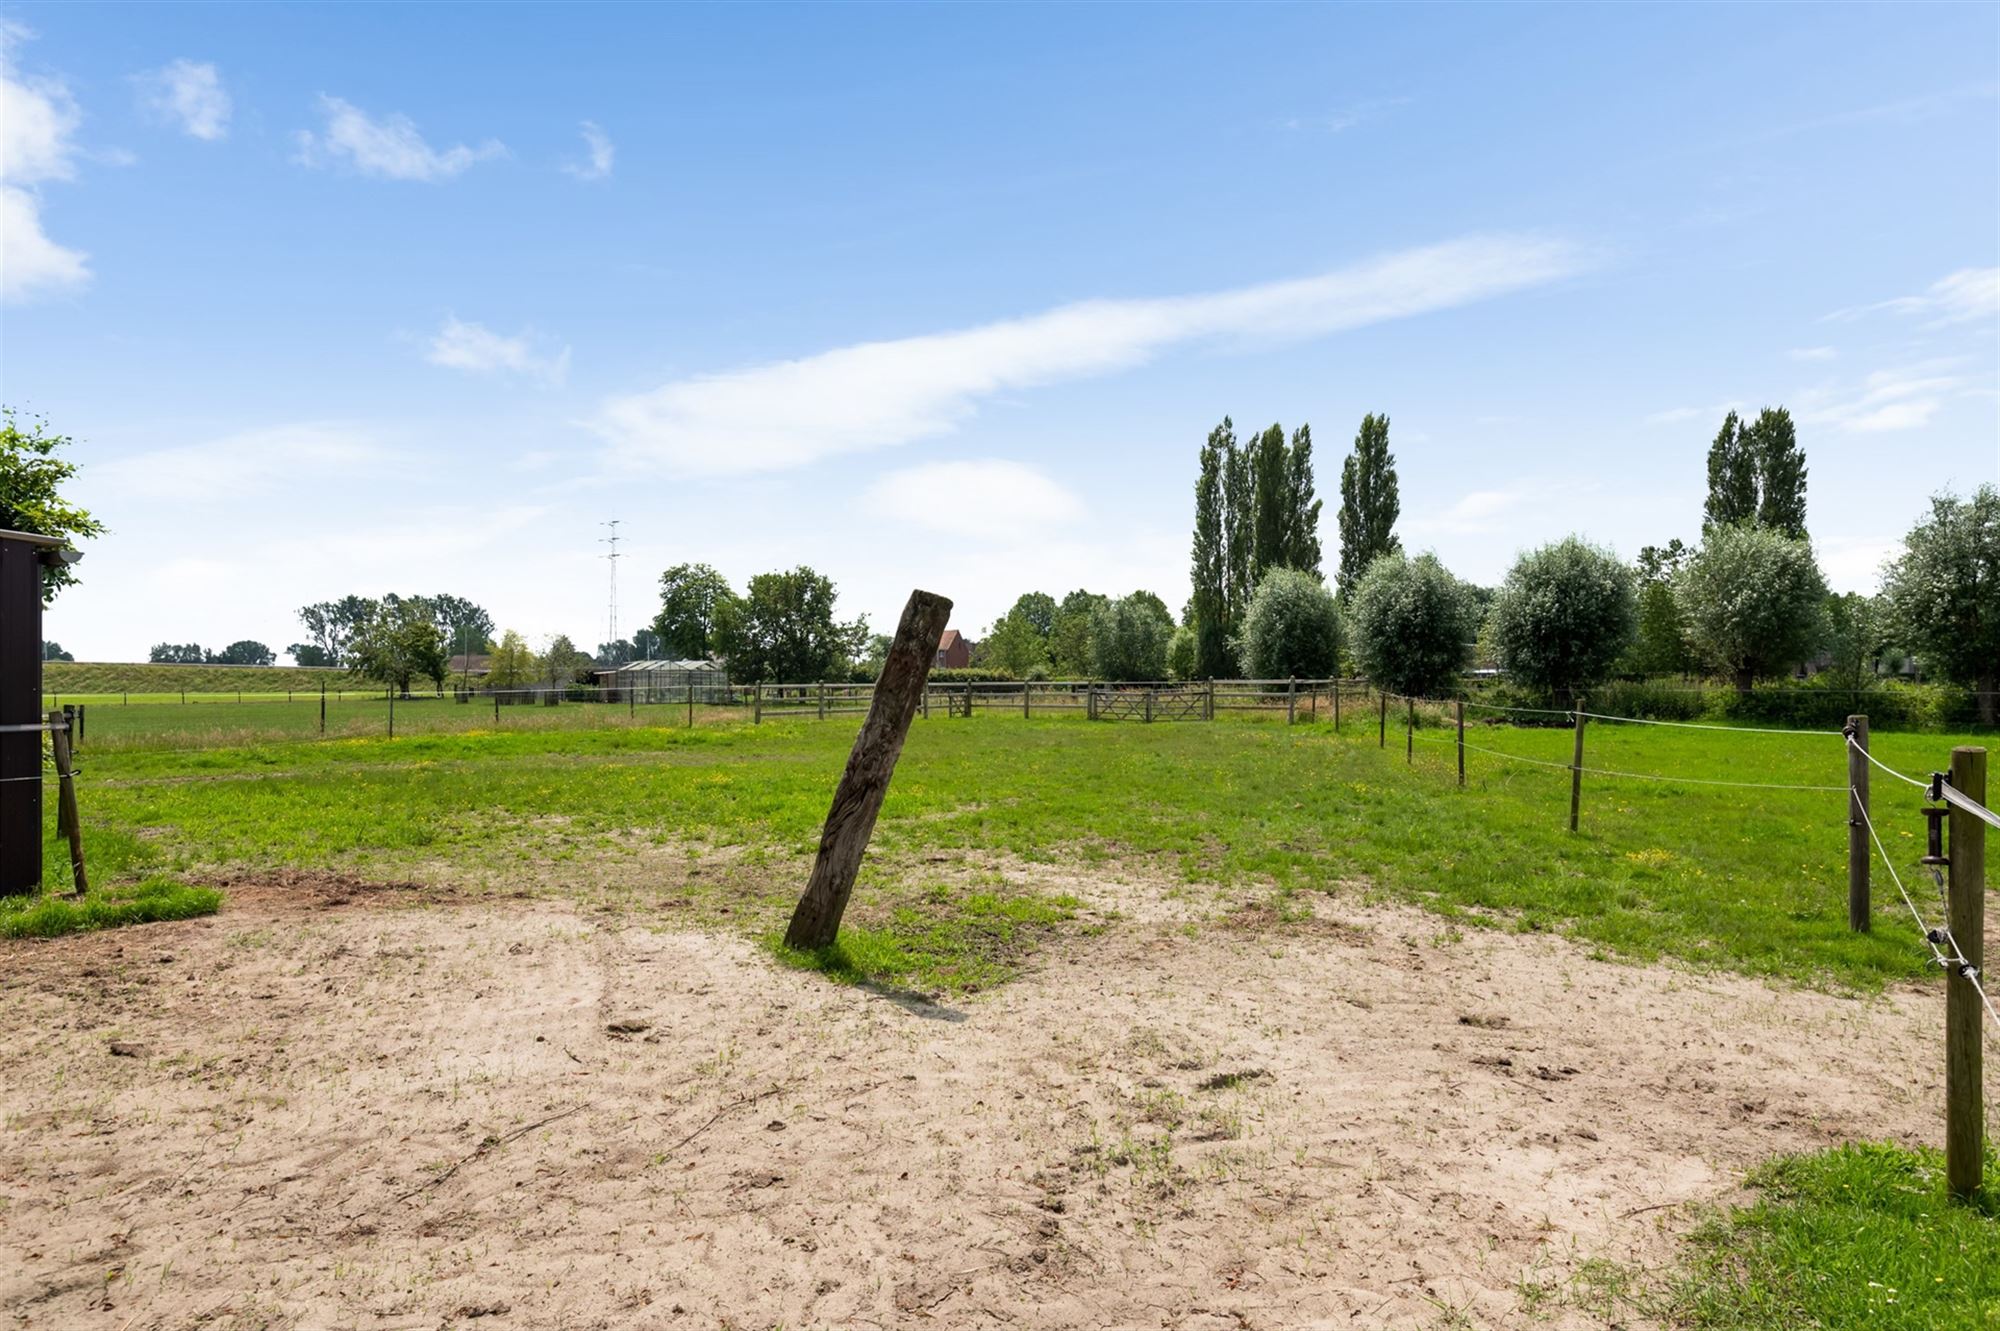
[392, 714]
[1027, 694]
[1149, 703]
[1964, 1071]
[1382, 735]
[1336, 704]
[1410, 732]
[757, 705]
[822, 700]
[968, 698]
[322, 707]
[66, 816]
[1291, 700]
[1208, 704]
[690, 704]
[1860, 855]
[927, 702]
[858, 799]
[1461, 745]
[1576, 769]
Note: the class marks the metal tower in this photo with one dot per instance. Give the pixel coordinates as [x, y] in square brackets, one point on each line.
[612, 558]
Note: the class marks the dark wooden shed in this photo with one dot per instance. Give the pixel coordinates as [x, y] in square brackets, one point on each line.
[22, 556]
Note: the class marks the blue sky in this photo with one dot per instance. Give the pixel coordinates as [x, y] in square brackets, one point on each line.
[381, 298]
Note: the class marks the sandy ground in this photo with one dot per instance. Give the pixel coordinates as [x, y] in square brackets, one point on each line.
[331, 1108]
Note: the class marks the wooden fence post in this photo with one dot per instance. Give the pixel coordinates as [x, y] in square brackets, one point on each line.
[496, 707]
[1149, 703]
[822, 700]
[1208, 703]
[1576, 768]
[1336, 704]
[858, 799]
[1382, 734]
[927, 702]
[757, 705]
[322, 708]
[1860, 855]
[1461, 745]
[690, 704]
[968, 699]
[1964, 1112]
[392, 714]
[1410, 733]
[66, 817]
[1291, 700]
[1027, 695]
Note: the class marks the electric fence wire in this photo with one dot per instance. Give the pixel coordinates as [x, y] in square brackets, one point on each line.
[1956, 959]
[1699, 725]
[1907, 780]
[1631, 776]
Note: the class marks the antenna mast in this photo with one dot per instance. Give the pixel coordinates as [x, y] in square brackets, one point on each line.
[612, 558]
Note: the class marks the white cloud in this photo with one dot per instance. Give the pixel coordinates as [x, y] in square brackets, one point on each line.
[478, 349]
[1347, 117]
[879, 394]
[989, 499]
[1904, 398]
[38, 121]
[1813, 353]
[601, 153]
[1968, 295]
[189, 95]
[242, 465]
[1855, 563]
[1478, 511]
[1676, 415]
[389, 147]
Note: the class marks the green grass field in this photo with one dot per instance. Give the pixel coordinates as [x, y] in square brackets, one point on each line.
[558, 799]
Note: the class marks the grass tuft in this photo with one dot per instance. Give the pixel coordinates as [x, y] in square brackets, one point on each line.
[109, 907]
[948, 943]
[1863, 1235]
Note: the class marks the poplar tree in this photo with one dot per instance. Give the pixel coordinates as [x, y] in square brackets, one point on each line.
[1732, 477]
[1302, 549]
[1239, 502]
[1368, 502]
[1781, 472]
[1271, 468]
[1209, 606]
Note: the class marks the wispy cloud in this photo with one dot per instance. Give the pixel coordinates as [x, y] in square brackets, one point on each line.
[38, 120]
[242, 465]
[389, 147]
[1346, 117]
[1903, 398]
[1962, 297]
[880, 394]
[1676, 415]
[602, 151]
[988, 499]
[1475, 512]
[1813, 353]
[478, 349]
[188, 95]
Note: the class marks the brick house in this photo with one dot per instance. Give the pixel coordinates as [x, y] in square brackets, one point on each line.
[954, 652]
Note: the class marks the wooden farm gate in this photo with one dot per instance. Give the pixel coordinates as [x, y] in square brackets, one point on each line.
[1173, 704]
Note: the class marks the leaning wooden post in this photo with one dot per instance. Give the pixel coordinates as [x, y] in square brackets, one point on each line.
[1860, 855]
[1964, 1112]
[1461, 745]
[858, 799]
[1576, 769]
[66, 817]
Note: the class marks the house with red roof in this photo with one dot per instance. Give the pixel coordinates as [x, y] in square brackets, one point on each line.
[954, 652]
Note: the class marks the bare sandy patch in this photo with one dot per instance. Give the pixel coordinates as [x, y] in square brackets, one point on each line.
[521, 1114]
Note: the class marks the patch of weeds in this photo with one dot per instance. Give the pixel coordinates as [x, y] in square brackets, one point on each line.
[150, 899]
[1229, 1081]
[1863, 1235]
[942, 941]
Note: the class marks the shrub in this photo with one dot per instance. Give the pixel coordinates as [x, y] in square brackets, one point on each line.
[1563, 617]
[1128, 638]
[1753, 600]
[1292, 629]
[1414, 625]
[1183, 652]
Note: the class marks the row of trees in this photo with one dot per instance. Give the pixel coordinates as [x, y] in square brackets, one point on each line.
[1254, 511]
[782, 626]
[248, 651]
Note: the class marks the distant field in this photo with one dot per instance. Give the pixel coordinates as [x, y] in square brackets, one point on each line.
[71, 680]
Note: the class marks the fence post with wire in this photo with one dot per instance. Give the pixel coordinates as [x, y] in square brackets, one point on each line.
[1858, 858]
[1964, 997]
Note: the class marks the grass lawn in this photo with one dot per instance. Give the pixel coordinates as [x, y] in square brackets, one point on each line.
[1747, 880]
[1858, 1236]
